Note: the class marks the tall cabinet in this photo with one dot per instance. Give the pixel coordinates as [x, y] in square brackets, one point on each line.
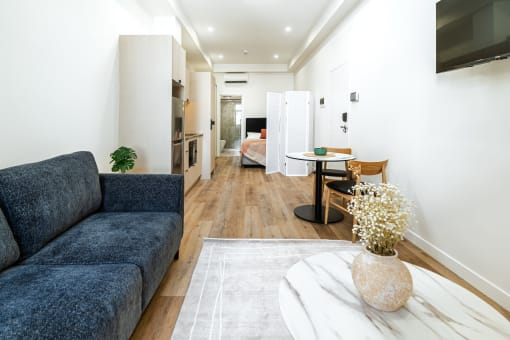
[289, 129]
[201, 116]
[147, 65]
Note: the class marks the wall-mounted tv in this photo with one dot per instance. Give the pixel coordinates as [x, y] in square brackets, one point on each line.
[470, 32]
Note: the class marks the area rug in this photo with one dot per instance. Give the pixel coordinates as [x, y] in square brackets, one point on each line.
[233, 293]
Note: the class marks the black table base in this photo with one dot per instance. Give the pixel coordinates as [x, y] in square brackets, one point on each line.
[307, 213]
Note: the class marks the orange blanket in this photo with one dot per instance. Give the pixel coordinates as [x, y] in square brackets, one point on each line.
[255, 149]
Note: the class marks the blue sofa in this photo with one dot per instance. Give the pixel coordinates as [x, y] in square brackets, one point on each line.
[82, 253]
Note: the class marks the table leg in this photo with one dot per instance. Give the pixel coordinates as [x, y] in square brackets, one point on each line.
[315, 212]
[318, 190]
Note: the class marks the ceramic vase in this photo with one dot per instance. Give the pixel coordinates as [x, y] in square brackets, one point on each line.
[384, 282]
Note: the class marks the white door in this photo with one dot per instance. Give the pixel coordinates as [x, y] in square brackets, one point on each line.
[213, 122]
[338, 130]
[297, 114]
[339, 103]
[282, 148]
[274, 107]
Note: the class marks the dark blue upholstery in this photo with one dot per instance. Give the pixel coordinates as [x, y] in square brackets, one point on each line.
[9, 251]
[94, 248]
[42, 200]
[136, 192]
[69, 302]
[146, 239]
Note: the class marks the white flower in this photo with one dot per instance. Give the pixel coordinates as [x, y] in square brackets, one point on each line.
[382, 216]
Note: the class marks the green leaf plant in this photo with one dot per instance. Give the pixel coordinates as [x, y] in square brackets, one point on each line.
[123, 159]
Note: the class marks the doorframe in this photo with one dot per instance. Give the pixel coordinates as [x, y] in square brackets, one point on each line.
[343, 64]
[218, 119]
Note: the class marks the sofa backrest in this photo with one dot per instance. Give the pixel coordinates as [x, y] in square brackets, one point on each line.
[41, 200]
[9, 250]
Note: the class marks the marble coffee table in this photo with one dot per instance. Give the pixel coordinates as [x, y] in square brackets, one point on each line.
[318, 300]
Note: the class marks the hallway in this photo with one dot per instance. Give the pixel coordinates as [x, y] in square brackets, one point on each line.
[247, 203]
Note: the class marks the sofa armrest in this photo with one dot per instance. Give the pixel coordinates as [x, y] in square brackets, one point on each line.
[142, 192]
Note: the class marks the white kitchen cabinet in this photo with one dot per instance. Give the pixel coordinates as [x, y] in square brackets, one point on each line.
[192, 161]
[147, 121]
[201, 116]
[178, 63]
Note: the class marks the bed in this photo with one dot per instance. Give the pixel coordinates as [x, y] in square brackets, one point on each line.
[253, 149]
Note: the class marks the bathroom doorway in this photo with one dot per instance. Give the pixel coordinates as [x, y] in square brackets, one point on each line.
[230, 130]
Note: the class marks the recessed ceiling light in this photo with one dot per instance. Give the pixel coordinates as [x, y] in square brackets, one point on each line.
[288, 29]
[210, 29]
[276, 56]
[220, 56]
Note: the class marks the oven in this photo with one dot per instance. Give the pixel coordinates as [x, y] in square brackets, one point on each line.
[177, 157]
[192, 152]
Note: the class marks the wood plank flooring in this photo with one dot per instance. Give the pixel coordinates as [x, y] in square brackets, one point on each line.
[245, 203]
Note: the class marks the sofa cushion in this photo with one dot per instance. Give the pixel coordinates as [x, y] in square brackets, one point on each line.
[148, 239]
[9, 251]
[69, 302]
[142, 192]
[42, 200]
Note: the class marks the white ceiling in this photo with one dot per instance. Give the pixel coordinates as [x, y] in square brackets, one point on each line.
[257, 26]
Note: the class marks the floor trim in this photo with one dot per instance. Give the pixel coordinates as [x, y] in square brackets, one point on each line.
[485, 286]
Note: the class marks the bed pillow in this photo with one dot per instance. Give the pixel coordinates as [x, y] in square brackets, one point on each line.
[263, 134]
[253, 135]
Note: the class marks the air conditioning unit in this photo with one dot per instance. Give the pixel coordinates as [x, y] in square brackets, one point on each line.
[236, 78]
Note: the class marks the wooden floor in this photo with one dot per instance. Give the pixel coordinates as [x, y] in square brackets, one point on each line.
[245, 203]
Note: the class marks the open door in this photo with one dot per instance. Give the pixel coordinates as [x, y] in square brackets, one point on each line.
[338, 110]
[213, 123]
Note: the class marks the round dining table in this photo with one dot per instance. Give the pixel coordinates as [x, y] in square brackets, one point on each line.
[318, 300]
[315, 212]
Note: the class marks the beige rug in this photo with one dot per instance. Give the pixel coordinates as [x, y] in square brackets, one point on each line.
[233, 292]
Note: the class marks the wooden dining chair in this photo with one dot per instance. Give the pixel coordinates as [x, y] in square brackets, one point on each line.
[335, 172]
[343, 189]
[338, 173]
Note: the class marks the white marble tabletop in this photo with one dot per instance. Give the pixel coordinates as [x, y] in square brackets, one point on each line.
[330, 157]
[318, 300]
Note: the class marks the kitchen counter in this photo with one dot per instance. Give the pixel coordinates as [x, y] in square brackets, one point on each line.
[192, 135]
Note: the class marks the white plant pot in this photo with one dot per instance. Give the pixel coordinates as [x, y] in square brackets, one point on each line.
[384, 282]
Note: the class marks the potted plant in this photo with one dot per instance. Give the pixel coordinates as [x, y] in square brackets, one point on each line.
[123, 159]
[382, 215]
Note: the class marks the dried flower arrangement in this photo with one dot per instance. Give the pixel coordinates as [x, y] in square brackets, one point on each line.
[382, 216]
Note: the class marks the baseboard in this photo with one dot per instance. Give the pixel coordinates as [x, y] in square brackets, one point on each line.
[482, 284]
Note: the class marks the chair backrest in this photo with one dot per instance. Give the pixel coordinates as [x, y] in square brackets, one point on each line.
[347, 151]
[368, 169]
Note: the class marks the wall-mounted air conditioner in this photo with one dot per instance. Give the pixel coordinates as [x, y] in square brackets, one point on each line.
[236, 78]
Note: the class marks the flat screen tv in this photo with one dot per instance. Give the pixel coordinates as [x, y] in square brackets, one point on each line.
[470, 32]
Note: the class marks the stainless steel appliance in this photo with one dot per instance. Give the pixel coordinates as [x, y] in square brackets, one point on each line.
[177, 135]
[192, 152]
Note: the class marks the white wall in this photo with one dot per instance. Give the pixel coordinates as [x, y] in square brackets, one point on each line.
[59, 76]
[254, 93]
[446, 135]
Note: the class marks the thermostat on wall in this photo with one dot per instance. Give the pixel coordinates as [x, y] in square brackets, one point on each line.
[354, 97]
